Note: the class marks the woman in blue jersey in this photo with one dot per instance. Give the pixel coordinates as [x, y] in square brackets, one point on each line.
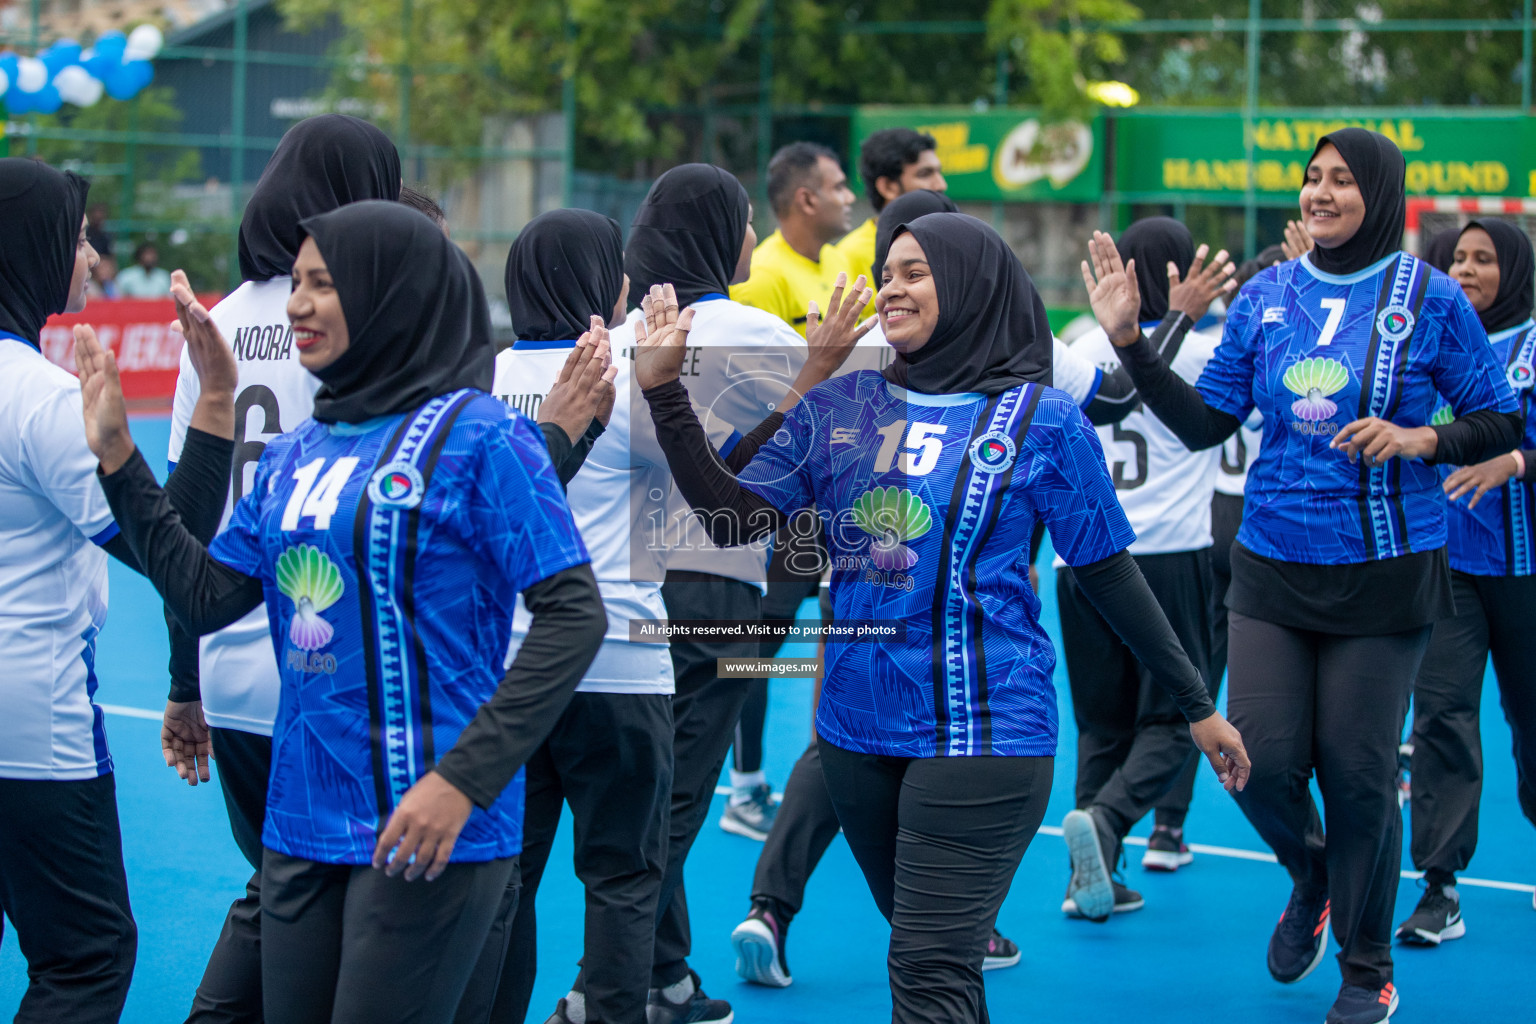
[1339, 568]
[390, 535]
[938, 737]
[1493, 576]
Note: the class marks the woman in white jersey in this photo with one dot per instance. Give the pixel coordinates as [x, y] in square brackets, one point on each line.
[230, 678]
[61, 863]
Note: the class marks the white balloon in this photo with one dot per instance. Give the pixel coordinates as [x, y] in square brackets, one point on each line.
[143, 43]
[5, 81]
[31, 74]
[76, 86]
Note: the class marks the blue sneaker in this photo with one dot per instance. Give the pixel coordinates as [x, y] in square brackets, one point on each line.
[753, 817]
[1357, 1005]
[1091, 890]
[1300, 938]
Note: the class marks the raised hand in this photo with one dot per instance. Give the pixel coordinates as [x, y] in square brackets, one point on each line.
[211, 356]
[1194, 294]
[1298, 242]
[1223, 747]
[184, 740]
[584, 390]
[1480, 479]
[661, 337]
[831, 340]
[101, 395]
[1112, 291]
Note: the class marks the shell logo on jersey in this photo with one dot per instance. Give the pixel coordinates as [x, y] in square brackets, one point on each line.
[1395, 322]
[1315, 380]
[892, 515]
[397, 485]
[1442, 417]
[993, 452]
[313, 583]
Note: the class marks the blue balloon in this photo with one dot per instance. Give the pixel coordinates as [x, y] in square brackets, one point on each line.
[111, 45]
[60, 55]
[126, 80]
[47, 99]
[8, 65]
[18, 102]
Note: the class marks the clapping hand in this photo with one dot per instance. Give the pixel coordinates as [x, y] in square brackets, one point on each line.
[101, 394]
[661, 337]
[831, 340]
[584, 390]
[1194, 294]
[1112, 291]
[1298, 242]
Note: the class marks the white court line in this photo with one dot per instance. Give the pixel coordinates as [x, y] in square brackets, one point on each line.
[1239, 854]
[1045, 830]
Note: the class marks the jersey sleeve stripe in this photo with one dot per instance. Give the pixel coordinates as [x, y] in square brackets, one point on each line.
[1093, 389]
[105, 535]
[729, 444]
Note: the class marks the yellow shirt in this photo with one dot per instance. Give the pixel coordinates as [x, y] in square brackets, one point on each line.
[783, 282]
[857, 249]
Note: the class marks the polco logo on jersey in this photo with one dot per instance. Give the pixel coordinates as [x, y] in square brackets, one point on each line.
[397, 485]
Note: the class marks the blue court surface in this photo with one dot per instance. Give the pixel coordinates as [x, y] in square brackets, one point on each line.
[1195, 952]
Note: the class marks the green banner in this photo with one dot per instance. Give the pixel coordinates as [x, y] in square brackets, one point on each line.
[1002, 154]
[1204, 152]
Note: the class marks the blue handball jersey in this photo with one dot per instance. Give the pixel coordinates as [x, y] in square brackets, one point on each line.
[391, 554]
[1313, 352]
[1498, 538]
[928, 503]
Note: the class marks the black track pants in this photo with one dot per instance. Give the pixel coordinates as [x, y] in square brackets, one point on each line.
[1133, 743]
[805, 827]
[1493, 616]
[62, 885]
[230, 991]
[938, 840]
[1310, 702]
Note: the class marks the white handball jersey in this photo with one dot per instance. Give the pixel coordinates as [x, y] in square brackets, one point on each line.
[1237, 454]
[1164, 487]
[740, 363]
[1070, 372]
[625, 477]
[53, 578]
[238, 664]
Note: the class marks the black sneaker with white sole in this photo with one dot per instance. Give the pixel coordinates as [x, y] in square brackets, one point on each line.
[1166, 850]
[1357, 1004]
[759, 944]
[1001, 952]
[695, 1008]
[1301, 938]
[1126, 900]
[1436, 918]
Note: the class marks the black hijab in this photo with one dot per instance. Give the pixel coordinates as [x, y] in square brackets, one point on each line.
[1517, 275]
[992, 333]
[1378, 167]
[415, 309]
[904, 209]
[688, 233]
[42, 210]
[321, 163]
[565, 267]
[1154, 242]
[1440, 253]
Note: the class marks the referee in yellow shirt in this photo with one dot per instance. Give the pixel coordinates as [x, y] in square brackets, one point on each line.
[891, 162]
[796, 264]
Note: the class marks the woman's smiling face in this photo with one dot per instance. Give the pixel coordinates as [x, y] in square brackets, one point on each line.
[908, 301]
[314, 310]
[1332, 207]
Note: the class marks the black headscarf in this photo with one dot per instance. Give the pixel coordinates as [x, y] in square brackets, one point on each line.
[904, 209]
[1378, 167]
[565, 267]
[1517, 275]
[688, 233]
[41, 210]
[1154, 242]
[992, 333]
[321, 163]
[416, 314]
[1440, 253]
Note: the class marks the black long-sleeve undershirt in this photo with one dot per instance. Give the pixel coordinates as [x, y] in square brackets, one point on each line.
[1117, 396]
[205, 595]
[735, 515]
[1473, 437]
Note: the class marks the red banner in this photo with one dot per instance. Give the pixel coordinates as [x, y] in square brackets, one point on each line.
[138, 331]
